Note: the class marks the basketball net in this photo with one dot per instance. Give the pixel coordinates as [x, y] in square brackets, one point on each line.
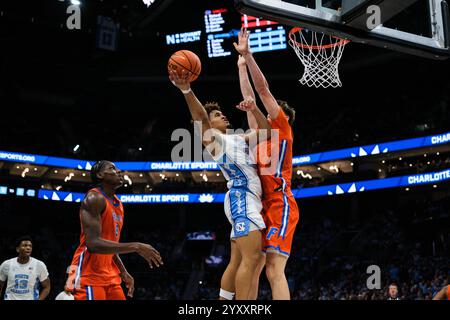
[320, 54]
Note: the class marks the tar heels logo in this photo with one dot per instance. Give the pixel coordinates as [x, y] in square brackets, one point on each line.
[272, 231]
[240, 227]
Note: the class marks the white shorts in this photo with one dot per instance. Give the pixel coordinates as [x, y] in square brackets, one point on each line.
[243, 210]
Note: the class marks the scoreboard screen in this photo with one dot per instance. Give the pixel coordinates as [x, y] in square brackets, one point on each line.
[215, 30]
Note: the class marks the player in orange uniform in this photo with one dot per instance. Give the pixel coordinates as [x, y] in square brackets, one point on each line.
[280, 209]
[97, 271]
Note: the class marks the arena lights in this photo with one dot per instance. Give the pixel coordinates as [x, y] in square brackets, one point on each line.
[127, 178]
[334, 168]
[75, 149]
[69, 177]
[24, 172]
[148, 3]
[306, 176]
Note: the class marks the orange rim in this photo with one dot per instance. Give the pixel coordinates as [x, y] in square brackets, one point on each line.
[341, 42]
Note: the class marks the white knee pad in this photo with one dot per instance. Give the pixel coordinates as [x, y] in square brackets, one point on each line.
[226, 294]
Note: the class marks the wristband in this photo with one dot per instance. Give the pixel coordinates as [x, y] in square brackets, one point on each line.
[186, 91]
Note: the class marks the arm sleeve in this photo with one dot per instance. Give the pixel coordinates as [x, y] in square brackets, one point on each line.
[4, 269]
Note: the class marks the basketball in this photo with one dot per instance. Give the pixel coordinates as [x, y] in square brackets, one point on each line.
[187, 60]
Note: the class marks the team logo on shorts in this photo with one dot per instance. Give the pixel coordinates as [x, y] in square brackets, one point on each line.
[241, 228]
[271, 232]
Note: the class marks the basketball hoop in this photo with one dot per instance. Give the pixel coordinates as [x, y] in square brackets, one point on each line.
[320, 54]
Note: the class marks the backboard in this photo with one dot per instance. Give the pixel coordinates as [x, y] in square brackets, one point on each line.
[418, 27]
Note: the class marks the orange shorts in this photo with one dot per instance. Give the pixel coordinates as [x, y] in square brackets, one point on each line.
[112, 292]
[281, 216]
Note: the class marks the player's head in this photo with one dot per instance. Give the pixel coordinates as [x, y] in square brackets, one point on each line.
[289, 111]
[216, 117]
[24, 246]
[105, 172]
[393, 290]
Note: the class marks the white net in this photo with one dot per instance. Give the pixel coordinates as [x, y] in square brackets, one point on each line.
[320, 54]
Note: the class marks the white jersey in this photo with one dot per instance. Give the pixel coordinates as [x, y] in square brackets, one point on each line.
[237, 164]
[23, 280]
[243, 200]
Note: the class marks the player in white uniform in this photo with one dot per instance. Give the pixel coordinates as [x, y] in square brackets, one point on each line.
[24, 275]
[243, 200]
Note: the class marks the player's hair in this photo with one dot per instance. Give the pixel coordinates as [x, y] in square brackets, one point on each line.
[289, 111]
[23, 238]
[211, 106]
[96, 168]
[393, 284]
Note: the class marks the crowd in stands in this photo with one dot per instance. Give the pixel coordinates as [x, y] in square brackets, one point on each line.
[329, 260]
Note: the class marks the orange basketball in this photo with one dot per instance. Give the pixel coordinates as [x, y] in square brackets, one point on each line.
[187, 60]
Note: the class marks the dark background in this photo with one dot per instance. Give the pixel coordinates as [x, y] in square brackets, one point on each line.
[57, 90]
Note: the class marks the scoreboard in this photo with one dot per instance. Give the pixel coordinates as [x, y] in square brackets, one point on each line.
[219, 28]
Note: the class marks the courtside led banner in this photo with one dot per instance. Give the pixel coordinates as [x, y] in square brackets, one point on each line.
[330, 190]
[137, 198]
[373, 149]
[212, 166]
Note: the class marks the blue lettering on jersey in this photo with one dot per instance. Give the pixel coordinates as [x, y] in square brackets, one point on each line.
[116, 217]
[117, 230]
[21, 284]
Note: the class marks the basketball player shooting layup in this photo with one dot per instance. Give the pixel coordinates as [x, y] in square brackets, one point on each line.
[97, 271]
[243, 200]
[280, 211]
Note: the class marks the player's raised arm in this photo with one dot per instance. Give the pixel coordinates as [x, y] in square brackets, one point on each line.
[246, 90]
[196, 109]
[249, 105]
[91, 209]
[259, 80]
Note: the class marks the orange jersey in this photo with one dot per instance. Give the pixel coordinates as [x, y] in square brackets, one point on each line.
[448, 292]
[280, 210]
[280, 176]
[93, 269]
